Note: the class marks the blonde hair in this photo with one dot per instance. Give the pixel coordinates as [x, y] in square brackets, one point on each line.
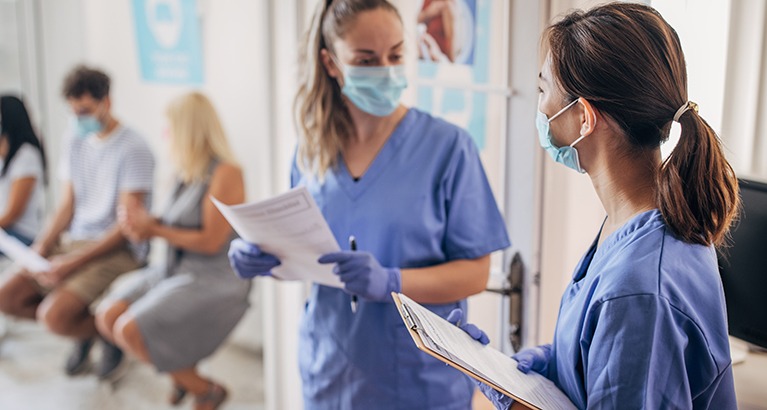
[197, 137]
[322, 119]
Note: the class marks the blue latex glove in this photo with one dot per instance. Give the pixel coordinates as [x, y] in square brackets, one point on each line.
[456, 316]
[363, 276]
[499, 400]
[248, 261]
[534, 358]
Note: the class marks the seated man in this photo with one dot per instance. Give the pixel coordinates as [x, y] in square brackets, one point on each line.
[106, 164]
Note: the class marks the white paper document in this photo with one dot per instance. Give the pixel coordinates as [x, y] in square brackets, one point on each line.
[22, 254]
[291, 227]
[452, 345]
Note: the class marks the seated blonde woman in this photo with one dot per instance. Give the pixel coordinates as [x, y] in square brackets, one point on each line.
[175, 314]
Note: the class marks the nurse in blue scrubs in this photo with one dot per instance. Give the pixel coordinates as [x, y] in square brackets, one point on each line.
[642, 324]
[412, 191]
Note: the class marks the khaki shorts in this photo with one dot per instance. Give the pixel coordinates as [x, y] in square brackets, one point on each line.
[93, 278]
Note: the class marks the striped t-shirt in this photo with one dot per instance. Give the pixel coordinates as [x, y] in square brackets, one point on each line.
[101, 169]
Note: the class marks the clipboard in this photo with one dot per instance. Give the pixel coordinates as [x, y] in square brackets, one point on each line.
[425, 343]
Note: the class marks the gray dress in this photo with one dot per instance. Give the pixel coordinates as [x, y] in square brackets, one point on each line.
[186, 307]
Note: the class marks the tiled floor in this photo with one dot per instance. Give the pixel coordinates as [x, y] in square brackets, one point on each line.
[31, 377]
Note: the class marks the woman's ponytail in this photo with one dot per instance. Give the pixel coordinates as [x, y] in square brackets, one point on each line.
[697, 188]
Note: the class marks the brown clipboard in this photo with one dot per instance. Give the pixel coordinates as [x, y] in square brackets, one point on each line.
[412, 325]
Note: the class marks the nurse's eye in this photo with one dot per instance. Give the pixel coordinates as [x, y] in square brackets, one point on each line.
[540, 90]
[367, 61]
[397, 58]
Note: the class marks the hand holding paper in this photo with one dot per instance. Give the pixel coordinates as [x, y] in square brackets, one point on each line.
[362, 275]
[289, 227]
[534, 358]
[248, 261]
[60, 267]
[22, 254]
[456, 317]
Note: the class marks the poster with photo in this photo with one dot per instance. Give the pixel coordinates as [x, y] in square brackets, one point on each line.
[454, 39]
[446, 30]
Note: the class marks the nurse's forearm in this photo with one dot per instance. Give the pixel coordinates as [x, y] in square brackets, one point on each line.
[447, 282]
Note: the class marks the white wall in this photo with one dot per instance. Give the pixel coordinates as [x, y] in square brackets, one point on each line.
[571, 218]
[703, 29]
[61, 26]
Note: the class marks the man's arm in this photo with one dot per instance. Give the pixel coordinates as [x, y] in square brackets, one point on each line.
[61, 219]
[64, 265]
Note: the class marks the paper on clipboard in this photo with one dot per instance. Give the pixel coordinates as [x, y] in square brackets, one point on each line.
[448, 343]
[291, 227]
[22, 254]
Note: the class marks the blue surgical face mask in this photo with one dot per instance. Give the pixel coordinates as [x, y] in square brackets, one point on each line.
[375, 90]
[567, 155]
[88, 124]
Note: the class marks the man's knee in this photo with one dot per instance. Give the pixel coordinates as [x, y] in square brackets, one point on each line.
[60, 312]
[13, 293]
[8, 302]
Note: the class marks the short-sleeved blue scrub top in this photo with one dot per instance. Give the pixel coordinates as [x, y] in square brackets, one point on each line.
[643, 325]
[424, 200]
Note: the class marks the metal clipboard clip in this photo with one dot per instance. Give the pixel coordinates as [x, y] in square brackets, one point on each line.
[409, 317]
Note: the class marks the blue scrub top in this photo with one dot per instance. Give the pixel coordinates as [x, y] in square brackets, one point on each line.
[643, 325]
[424, 200]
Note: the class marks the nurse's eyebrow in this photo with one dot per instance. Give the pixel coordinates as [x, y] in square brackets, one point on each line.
[366, 51]
[542, 78]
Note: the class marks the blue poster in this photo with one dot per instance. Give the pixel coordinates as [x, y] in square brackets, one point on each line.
[453, 46]
[168, 39]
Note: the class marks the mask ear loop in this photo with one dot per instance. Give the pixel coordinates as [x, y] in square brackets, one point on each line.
[577, 157]
[578, 140]
[562, 110]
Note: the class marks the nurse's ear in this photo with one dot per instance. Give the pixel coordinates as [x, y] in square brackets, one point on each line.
[329, 64]
[588, 117]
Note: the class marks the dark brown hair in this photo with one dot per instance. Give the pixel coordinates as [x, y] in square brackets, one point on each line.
[627, 61]
[17, 128]
[84, 80]
[322, 119]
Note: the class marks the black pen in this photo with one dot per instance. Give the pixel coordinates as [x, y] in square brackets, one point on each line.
[353, 247]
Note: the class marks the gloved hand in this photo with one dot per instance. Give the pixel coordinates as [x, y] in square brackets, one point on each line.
[456, 316]
[534, 358]
[499, 400]
[248, 261]
[363, 276]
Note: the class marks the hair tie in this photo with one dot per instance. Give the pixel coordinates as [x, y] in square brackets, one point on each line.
[689, 105]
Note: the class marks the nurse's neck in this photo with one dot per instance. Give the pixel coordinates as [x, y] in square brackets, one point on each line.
[370, 128]
[625, 184]
[370, 135]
